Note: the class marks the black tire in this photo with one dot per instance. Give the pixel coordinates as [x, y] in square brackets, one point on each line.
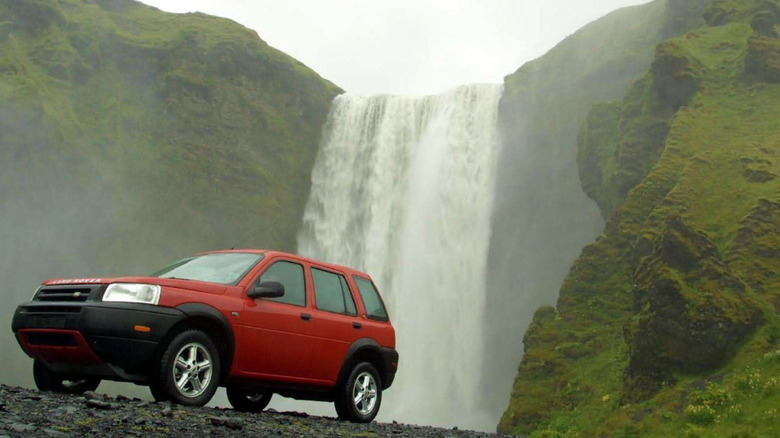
[363, 379]
[157, 391]
[191, 357]
[246, 400]
[48, 380]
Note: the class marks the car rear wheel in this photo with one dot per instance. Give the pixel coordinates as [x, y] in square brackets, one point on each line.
[359, 399]
[189, 370]
[247, 400]
[48, 380]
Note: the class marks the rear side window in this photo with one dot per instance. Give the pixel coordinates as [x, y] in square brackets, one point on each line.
[291, 276]
[374, 307]
[332, 293]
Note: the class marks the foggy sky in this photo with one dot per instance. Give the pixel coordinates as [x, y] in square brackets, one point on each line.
[411, 47]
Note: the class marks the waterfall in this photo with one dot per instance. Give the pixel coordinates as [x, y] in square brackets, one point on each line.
[402, 188]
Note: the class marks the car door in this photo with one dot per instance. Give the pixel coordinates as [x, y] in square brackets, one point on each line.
[277, 339]
[334, 318]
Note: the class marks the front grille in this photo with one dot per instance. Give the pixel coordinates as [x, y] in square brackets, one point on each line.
[71, 294]
[53, 309]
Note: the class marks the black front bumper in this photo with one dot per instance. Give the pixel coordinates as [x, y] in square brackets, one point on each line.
[123, 336]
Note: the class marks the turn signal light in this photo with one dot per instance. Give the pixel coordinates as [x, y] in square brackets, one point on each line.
[142, 329]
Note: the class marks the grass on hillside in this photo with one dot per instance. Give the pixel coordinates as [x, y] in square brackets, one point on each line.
[721, 160]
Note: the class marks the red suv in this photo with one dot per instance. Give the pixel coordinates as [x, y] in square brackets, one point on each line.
[256, 322]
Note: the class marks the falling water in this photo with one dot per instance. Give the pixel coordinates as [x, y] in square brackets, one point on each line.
[403, 188]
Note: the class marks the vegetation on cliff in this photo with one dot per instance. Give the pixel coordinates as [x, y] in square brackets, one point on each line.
[668, 324]
[539, 201]
[130, 137]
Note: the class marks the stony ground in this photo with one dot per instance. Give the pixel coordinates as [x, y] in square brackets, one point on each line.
[29, 413]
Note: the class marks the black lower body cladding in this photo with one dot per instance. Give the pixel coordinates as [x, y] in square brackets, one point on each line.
[390, 357]
[122, 335]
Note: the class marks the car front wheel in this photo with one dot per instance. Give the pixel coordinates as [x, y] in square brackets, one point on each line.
[48, 380]
[359, 399]
[189, 370]
[246, 400]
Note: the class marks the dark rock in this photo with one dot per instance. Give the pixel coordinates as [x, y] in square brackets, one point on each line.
[764, 19]
[683, 15]
[762, 59]
[691, 311]
[230, 423]
[755, 249]
[122, 398]
[675, 74]
[758, 175]
[21, 428]
[99, 404]
[89, 395]
[69, 410]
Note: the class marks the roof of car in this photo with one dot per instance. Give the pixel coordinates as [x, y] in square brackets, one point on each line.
[274, 253]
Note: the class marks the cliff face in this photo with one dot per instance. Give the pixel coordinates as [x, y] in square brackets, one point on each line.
[130, 137]
[542, 218]
[667, 325]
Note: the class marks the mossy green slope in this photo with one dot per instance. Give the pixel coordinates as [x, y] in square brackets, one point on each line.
[668, 324]
[130, 136]
[541, 217]
[193, 116]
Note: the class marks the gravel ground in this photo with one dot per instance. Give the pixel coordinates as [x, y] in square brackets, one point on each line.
[30, 413]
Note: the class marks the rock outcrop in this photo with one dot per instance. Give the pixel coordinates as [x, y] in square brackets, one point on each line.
[691, 312]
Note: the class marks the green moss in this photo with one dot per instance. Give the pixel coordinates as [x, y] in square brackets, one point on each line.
[708, 285]
[188, 131]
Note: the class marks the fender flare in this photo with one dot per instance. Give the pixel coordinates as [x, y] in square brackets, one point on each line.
[358, 347]
[211, 314]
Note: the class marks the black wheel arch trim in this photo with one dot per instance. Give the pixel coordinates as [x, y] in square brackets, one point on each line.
[382, 358]
[206, 312]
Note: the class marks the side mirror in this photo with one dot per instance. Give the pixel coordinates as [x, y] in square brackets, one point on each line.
[267, 289]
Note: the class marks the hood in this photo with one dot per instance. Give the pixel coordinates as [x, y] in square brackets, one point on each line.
[199, 286]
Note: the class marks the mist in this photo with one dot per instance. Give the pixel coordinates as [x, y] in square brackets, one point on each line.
[137, 154]
[116, 159]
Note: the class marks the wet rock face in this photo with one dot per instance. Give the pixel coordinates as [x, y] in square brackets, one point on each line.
[691, 311]
[676, 74]
[755, 250]
[30, 414]
[762, 60]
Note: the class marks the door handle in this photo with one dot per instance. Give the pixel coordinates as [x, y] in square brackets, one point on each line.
[305, 317]
[357, 325]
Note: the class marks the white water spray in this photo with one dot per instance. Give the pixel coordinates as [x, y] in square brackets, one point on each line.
[403, 189]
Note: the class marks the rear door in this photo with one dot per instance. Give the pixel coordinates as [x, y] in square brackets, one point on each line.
[335, 321]
[374, 317]
[278, 339]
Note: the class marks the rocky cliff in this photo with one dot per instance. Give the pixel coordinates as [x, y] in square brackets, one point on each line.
[130, 137]
[667, 325]
[542, 218]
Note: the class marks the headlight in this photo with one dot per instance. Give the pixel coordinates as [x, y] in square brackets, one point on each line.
[132, 293]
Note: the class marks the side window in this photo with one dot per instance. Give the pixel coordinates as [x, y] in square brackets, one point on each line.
[332, 293]
[348, 300]
[374, 307]
[291, 276]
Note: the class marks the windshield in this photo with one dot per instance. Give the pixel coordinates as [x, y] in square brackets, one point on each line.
[223, 268]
